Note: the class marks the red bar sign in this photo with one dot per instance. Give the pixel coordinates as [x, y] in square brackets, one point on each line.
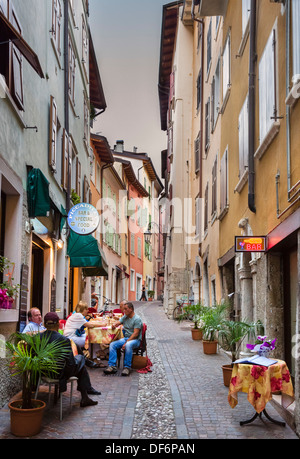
[250, 244]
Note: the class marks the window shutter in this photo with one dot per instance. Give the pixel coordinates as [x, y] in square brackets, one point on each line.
[223, 182]
[207, 125]
[16, 62]
[65, 156]
[214, 188]
[197, 154]
[226, 67]
[213, 104]
[53, 134]
[243, 138]
[295, 37]
[78, 177]
[4, 7]
[267, 106]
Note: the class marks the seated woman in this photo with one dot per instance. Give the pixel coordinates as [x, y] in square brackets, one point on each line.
[76, 324]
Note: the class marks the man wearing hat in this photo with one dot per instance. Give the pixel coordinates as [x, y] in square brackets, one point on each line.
[74, 365]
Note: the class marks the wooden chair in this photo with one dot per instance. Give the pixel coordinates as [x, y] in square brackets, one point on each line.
[139, 350]
[55, 382]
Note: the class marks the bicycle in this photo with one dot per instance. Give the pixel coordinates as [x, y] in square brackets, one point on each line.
[106, 304]
[180, 313]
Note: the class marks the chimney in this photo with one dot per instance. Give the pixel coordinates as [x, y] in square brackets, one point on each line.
[119, 147]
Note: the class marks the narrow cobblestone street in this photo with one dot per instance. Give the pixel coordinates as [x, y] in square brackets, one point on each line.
[182, 398]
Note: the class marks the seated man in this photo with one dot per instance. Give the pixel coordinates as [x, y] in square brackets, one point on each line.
[35, 324]
[74, 365]
[132, 331]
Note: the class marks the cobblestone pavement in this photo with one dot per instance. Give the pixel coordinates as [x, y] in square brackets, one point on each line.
[182, 398]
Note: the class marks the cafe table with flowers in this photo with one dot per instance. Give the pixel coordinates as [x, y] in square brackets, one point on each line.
[104, 332]
[259, 377]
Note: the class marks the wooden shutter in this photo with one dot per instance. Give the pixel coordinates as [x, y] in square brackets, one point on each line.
[197, 154]
[53, 134]
[78, 177]
[16, 65]
[223, 182]
[214, 188]
[4, 7]
[65, 158]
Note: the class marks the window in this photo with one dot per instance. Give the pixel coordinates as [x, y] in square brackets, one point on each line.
[86, 123]
[53, 134]
[215, 96]
[56, 25]
[197, 216]
[197, 154]
[98, 177]
[132, 278]
[78, 177]
[11, 62]
[72, 68]
[132, 244]
[245, 14]
[67, 144]
[199, 87]
[214, 188]
[207, 124]
[295, 38]
[208, 51]
[206, 208]
[243, 139]
[85, 47]
[226, 68]
[139, 247]
[267, 87]
[224, 183]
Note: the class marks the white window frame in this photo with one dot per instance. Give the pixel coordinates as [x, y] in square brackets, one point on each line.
[132, 280]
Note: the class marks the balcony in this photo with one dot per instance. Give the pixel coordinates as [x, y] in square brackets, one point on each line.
[211, 8]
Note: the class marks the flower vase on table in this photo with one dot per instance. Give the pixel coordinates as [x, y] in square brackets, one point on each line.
[262, 346]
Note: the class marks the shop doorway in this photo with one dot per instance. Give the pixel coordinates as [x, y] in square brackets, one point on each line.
[290, 306]
[37, 276]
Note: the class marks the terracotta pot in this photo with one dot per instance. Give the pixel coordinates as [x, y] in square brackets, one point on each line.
[196, 334]
[227, 371]
[26, 423]
[210, 347]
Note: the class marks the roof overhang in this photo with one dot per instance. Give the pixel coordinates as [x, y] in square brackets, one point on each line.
[96, 89]
[102, 147]
[9, 33]
[168, 35]
[212, 7]
[130, 174]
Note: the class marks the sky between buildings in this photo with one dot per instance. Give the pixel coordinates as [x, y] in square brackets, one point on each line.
[126, 36]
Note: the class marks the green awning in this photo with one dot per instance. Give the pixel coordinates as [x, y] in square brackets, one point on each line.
[85, 252]
[38, 194]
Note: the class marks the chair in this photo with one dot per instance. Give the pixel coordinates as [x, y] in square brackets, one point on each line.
[55, 382]
[62, 324]
[92, 310]
[142, 347]
[117, 311]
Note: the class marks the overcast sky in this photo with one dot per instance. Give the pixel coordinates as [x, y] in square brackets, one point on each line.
[126, 36]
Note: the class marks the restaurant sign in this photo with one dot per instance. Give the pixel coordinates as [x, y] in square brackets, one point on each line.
[250, 243]
[83, 219]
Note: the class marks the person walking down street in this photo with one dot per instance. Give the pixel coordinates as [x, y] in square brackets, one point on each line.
[35, 324]
[132, 331]
[74, 365]
[143, 297]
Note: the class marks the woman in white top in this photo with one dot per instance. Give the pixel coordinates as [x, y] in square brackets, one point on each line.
[76, 324]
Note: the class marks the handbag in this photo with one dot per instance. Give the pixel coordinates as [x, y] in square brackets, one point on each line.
[139, 361]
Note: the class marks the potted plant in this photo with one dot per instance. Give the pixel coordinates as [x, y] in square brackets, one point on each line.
[212, 319]
[8, 290]
[31, 356]
[150, 295]
[230, 336]
[193, 312]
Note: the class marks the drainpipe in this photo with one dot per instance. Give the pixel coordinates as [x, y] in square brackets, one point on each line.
[252, 61]
[66, 94]
[287, 60]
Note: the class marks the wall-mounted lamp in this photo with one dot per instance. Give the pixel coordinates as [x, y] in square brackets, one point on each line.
[60, 244]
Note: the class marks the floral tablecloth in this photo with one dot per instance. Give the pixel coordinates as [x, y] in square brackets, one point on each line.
[104, 335]
[259, 382]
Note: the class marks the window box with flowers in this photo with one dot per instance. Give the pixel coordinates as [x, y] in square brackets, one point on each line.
[8, 290]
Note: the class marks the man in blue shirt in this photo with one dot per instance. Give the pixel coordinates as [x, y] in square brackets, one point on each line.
[35, 324]
[132, 332]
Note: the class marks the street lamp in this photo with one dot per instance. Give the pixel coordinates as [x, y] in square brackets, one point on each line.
[147, 236]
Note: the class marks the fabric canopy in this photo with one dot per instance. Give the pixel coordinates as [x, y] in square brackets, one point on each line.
[85, 252]
[38, 194]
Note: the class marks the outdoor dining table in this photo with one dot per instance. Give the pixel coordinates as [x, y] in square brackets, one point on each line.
[259, 382]
[104, 333]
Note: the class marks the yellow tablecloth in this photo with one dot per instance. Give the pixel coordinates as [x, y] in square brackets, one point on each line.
[259, 382]
[104, 335]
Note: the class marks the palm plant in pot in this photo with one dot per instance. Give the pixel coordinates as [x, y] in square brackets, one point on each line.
[31, 356]
[194, 312]
[212, 319]
[230, 336]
